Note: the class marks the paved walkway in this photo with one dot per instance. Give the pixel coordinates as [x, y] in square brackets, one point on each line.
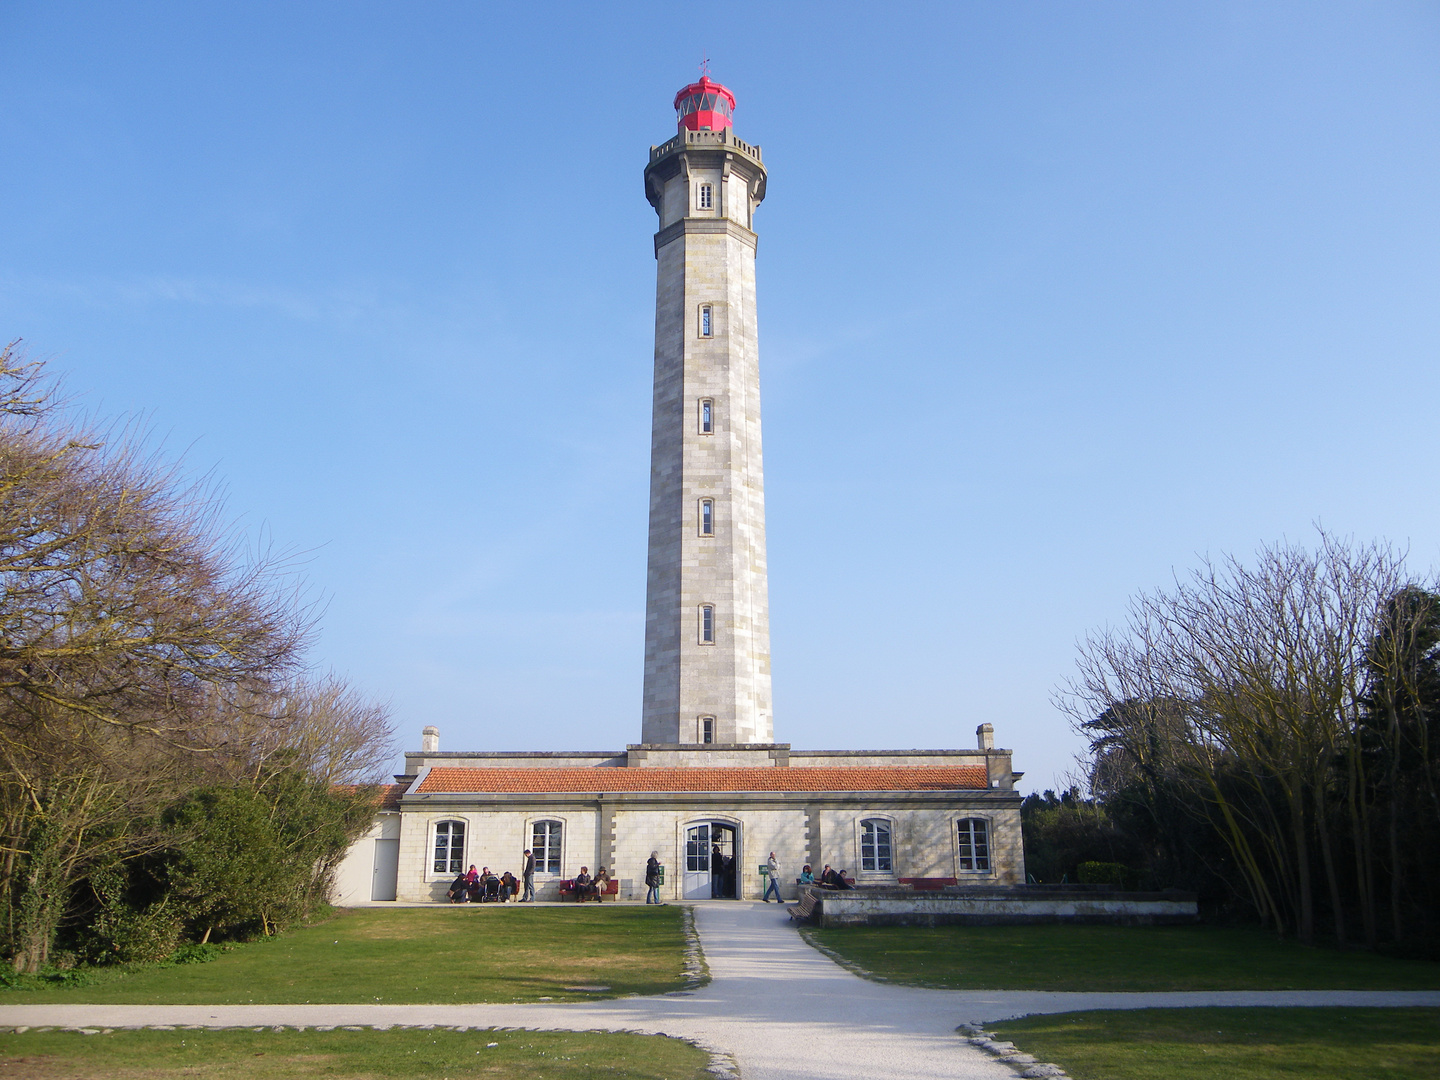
[779, 1008]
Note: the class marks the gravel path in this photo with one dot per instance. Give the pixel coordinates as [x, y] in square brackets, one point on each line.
[777, 1008]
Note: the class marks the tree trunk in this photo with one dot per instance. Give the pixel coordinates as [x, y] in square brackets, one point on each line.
[1305, 917]
[1234, 833]
[1327, 858]
[1397, 922]
[1360, 844]
[1397, 875]
[41, 902]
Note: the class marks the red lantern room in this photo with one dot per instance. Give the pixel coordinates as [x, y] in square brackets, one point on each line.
[704, 106]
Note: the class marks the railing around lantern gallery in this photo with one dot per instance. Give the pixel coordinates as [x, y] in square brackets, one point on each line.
[703, 138]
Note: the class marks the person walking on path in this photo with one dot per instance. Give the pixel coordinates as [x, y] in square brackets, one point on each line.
[772, 880]
[527, 875]
[652, 879]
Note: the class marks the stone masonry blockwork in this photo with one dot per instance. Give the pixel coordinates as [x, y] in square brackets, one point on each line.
[706, 350]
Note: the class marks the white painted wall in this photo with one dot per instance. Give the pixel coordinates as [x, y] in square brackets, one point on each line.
[355, 877]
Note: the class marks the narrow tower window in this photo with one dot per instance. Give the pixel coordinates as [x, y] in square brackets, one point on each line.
[707, 322]
[707, 729]
[707, 416]
[707, 624]
[707, 517]
[707, 197]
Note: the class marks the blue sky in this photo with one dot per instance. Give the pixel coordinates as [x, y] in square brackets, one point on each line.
[1053, 299]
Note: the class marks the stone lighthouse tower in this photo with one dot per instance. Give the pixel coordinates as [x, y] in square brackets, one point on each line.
[707, 618]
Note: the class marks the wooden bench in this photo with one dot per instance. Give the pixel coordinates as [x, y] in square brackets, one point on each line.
[806, 907]
[567, 890]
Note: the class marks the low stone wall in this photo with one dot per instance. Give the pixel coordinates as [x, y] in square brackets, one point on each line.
[993, 906]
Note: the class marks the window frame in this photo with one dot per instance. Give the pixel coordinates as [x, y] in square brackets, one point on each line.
[705, 195]
[458, 864]
[707, 730]
[706, 421]
[706, 325]
[988, 870]
[557, 825]
[692, 857]
[707, 628]
[876, 822]
[707, 518]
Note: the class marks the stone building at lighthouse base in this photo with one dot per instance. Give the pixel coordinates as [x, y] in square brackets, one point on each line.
[713, 813]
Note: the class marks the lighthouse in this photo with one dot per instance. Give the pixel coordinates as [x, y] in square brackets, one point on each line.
[707, 790]
[707, 620]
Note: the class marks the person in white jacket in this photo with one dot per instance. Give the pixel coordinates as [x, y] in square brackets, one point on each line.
[773, 880]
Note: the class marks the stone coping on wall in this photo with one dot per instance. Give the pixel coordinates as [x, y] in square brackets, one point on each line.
[779, 754]
[990, 905]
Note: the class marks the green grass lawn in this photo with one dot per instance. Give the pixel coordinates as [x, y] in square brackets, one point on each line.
[354, 1055]
[417, 955]
[1235, 1044]
[1113, 958]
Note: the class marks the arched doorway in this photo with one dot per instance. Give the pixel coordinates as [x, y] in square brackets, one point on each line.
[712, 862]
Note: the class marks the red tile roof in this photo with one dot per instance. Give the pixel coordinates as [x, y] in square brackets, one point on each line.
[873, 778]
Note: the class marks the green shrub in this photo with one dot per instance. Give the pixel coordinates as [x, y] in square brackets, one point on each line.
[247, 862]
[1106, 873]
[128, 936]
[194, 953]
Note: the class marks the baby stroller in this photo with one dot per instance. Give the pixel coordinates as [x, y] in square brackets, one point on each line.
[491, 890]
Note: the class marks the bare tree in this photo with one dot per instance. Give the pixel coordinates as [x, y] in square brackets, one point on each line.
[140, 647]
[1247, 683]
[322, 726]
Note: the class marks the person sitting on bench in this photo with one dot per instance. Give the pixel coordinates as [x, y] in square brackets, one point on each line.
[582, 884]
[459, 889]
[509, 886]
[600, 884]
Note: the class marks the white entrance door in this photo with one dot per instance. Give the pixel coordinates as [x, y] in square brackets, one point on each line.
[696, 884]
[387, 870]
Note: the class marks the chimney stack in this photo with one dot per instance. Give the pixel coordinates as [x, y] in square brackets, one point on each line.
[430, 739]
[984, 734]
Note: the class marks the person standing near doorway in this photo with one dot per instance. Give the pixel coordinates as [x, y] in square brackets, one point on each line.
[772, 880]
[527, 875]
[717, 872]
[652, 879]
